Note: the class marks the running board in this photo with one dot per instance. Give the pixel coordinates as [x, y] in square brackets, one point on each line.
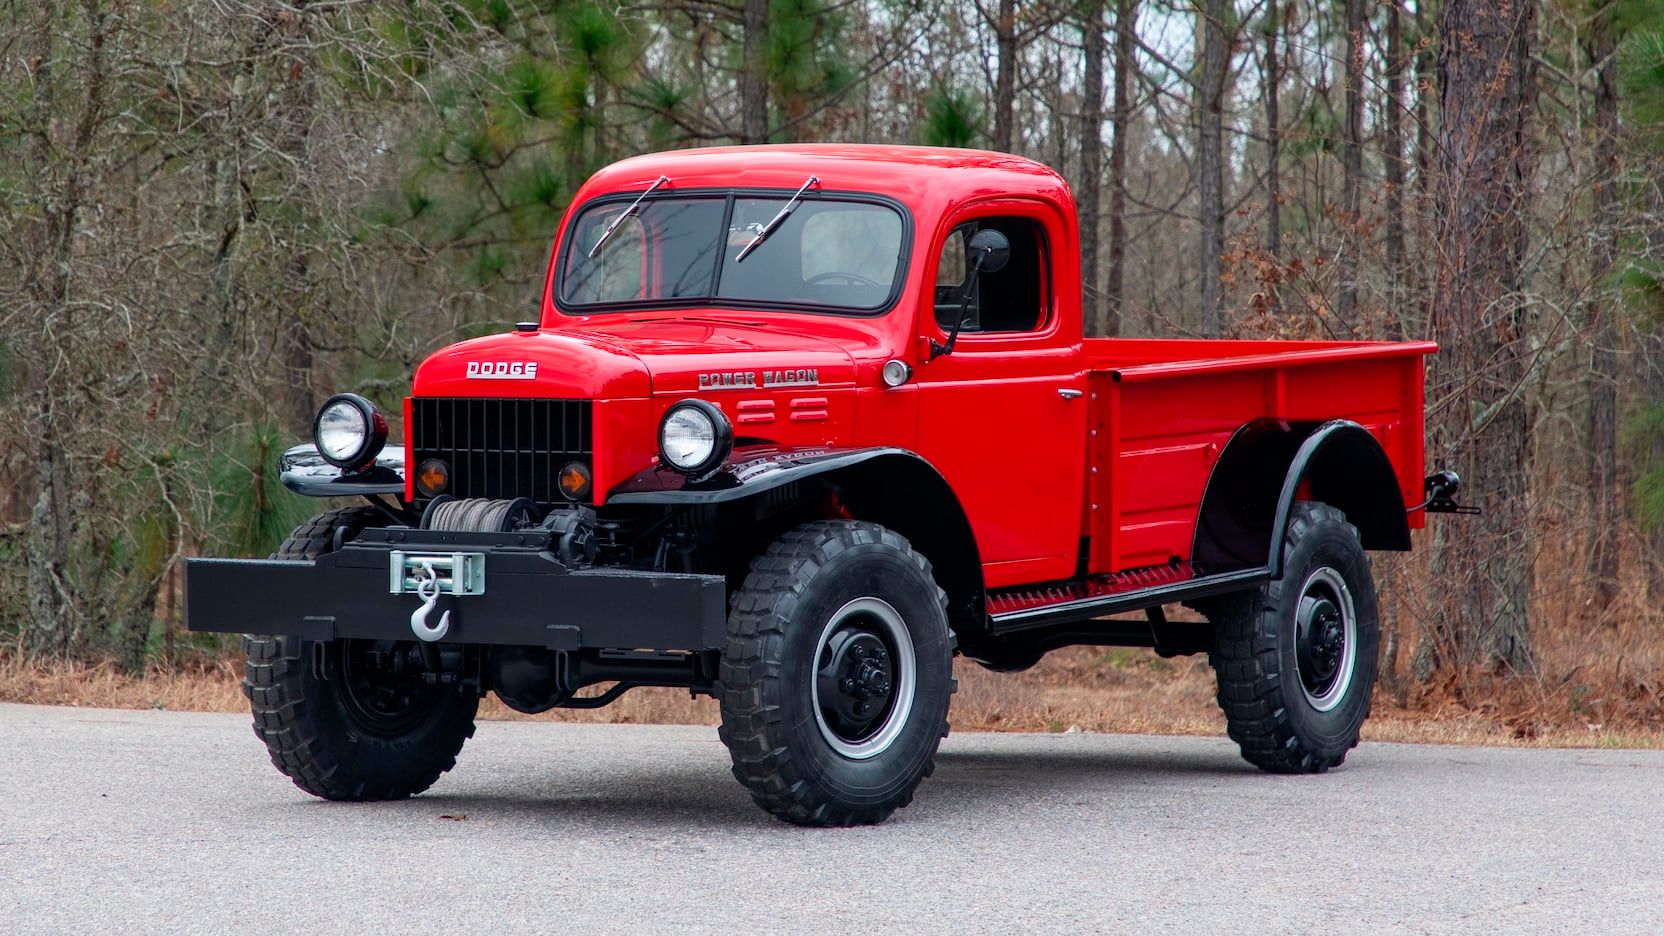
[1018, 609]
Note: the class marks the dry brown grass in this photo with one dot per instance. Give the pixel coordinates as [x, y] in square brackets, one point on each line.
[1121, 691]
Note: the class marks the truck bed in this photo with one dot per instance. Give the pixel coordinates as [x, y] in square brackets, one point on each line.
[1162, 410]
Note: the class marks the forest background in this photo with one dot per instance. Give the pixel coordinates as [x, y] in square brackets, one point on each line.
[215, 213]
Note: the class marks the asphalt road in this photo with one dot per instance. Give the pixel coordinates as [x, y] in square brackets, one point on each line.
[153, 822]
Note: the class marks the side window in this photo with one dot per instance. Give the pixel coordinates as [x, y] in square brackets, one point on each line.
[1011, 300]
[950, 267]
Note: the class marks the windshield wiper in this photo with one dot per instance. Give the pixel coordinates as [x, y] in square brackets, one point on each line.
[775, 221]
[607, 234]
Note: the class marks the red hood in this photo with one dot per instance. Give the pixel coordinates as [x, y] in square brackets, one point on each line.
[678, 351]
[606, 359]
[569, 365]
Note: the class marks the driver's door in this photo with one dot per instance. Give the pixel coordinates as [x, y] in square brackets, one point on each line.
[1004, 416]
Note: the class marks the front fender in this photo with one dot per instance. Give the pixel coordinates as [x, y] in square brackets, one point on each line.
[305, 472]
[749, 470]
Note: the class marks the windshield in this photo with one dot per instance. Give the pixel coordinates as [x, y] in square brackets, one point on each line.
[828, 253]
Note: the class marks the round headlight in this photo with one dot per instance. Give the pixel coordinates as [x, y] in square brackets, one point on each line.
[349, 431]
[695, 437]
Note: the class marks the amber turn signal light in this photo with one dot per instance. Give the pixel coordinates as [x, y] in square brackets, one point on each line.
[574, 481]
[432, 477]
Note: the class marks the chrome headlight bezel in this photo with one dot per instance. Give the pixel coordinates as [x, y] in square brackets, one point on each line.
[691, 414]
[370, 428]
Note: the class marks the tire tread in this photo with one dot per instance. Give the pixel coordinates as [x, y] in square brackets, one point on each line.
[758, 612]
[272, 682]
[1245, 661]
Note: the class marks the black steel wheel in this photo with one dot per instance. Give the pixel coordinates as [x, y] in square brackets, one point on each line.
[837, 676]
[866, 675]
[381, 685]
[351, 719]
[1325, 638]
[1296, 659]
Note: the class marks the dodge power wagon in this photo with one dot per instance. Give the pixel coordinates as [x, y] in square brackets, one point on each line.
[794, 428]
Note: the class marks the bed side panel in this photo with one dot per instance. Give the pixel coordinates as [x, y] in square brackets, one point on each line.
[1155, 442]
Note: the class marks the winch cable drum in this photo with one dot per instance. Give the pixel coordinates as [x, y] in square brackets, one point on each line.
[479, 515]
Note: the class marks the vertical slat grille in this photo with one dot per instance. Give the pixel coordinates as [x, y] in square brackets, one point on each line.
[502, 448]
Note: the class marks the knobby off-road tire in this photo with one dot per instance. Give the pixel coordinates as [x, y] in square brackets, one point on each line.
[832, 615]
[1286, 706]
[321, 734]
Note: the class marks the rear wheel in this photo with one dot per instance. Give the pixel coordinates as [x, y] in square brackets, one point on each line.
[351, 719]
[1296, 659]
[837, 675]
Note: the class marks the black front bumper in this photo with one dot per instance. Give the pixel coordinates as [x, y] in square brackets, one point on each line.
[530, 598]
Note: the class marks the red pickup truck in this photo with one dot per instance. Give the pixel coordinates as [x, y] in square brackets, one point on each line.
[796, 425]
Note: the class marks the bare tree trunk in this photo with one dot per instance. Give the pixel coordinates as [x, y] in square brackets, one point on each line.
[1605, 486]
[1210, 161]
[1126, 26]
[60, 175]
[1392, 145]
[1486, 160]
[1057, 131]
[1426, 89]
[1005, 74]
[1273, 80]
[46, 543]
[289, 38]
[753, 74]
[1096, 311]
[54, 628]
[1650, 363]
[169, 625]
[1652, 554]
[1352, 165]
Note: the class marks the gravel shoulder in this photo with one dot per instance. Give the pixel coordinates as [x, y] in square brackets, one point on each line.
[165, 822]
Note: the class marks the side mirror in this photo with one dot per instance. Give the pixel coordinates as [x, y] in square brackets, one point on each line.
[990, 251]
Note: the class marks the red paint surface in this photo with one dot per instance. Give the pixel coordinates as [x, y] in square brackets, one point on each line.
[1123, 464]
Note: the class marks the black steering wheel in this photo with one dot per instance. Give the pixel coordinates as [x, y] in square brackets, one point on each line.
[855, 279]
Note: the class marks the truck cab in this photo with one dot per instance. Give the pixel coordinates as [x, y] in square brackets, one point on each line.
[797, 425]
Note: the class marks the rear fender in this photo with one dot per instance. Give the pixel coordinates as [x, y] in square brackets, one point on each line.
[1270, 464]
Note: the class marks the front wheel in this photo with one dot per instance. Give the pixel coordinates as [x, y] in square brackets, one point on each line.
[351, 719]
[1296, 659]
[837, 675]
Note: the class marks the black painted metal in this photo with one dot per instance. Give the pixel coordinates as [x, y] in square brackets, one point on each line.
[1441, 488]
[749, 470]
[305, 471]
[503, 448]
[1239, 505]
[1346, 469]
[1022, 649]
[1254, 484]
[530, 598]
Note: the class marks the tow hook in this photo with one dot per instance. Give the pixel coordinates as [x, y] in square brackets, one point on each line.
[427, 589]
[427, 576]
[1441, 488]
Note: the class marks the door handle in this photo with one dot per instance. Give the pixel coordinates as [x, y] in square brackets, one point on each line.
[1068, 393]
